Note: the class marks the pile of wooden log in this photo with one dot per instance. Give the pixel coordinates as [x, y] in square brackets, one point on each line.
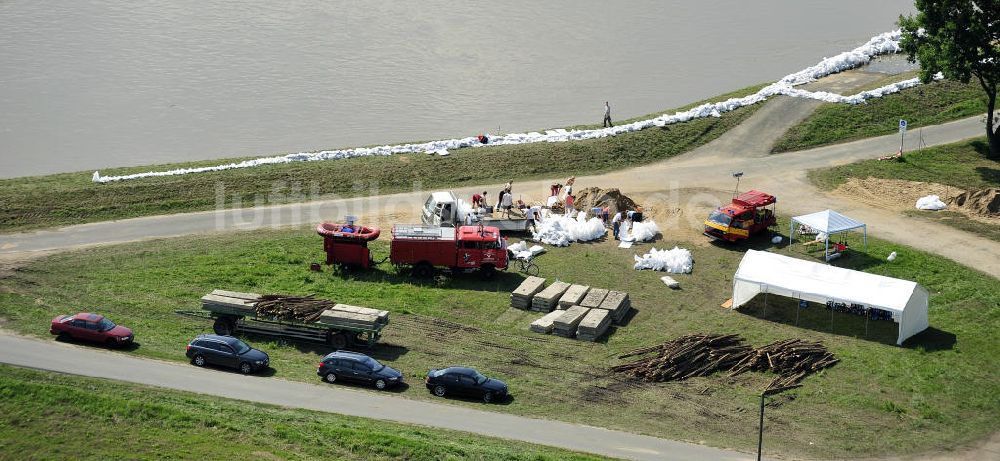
[704, 354]
[521, 297]
[618, 304]
[547, 299]
[792, 360]
[687, 356]
[573, 296]
[593, 325]
[565, 325]
[287, 307]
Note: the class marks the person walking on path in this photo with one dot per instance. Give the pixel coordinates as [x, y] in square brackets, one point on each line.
[607, 114]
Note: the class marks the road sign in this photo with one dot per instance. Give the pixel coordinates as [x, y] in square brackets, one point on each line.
[902, 125]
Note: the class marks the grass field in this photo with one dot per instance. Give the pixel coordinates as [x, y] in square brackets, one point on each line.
[938, 391]
[63, 199]
[53, 416]
[923, 105]
[964, 165]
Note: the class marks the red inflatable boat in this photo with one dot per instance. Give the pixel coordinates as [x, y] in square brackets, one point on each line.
[347, 232]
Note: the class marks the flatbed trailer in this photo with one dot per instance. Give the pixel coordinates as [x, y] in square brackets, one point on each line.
[235, 313]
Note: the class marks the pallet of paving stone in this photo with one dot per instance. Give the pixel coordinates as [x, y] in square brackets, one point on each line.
[547, 299]
[544, 324]
[567, 323]
[521, 297]
[593, 325]
[594, 297]
[618, 304]
[573, 296]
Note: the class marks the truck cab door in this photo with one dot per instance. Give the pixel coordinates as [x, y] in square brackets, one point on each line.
[470, 254]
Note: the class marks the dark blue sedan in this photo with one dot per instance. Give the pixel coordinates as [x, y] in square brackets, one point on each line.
[463, 381]
[226, 351]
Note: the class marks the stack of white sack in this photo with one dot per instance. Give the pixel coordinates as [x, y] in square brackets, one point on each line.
[677, 260]
[560, 230]
[520, 250]
[643, 231]
[930, 202]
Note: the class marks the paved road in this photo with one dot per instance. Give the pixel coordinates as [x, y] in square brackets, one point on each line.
[82, 360]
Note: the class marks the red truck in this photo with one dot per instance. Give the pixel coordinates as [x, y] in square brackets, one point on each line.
[461, 249]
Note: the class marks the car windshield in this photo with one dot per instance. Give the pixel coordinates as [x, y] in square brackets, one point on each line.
[719, 217]
[480, 379]
[239, 346]
[105, 325]
[372, 363]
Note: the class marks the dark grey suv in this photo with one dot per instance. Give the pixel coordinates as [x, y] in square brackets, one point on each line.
[352, 366]
[226, 351]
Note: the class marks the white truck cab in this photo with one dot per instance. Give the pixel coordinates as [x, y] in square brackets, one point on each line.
[444, 209]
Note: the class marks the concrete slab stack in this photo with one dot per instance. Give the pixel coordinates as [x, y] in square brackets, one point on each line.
[594, 297]
[573, 296]
[547, 299]
[521, 297]
[566, 324]
[594, 325]
[618, 304]
[544, 324]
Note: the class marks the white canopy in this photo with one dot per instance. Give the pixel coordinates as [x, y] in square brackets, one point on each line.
[765, 272]
[828, 222]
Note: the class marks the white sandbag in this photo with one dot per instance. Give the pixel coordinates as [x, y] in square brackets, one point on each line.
[930, 202]
[670, 282]
[776, 240]
[643, 231]
[518, 247]
[677, 260]
[536, 250]
[892, 257]
[561, 230]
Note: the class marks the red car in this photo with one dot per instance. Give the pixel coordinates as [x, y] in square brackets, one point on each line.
[91, 327]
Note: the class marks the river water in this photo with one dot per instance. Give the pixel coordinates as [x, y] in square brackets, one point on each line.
[88, 84]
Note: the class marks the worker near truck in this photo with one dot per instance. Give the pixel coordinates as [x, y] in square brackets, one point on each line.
[506, 203]
[616, 224]
[479, 201]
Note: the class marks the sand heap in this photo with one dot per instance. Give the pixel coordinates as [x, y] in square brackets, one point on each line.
[982, 202]
[595, 197]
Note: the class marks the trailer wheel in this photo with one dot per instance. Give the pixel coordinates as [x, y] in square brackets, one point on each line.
[423, 270]
[338, 340]
[224, 326]
[487, 272]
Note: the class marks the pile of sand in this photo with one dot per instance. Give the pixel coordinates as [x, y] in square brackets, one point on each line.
[595, 197]
[984, 202]
[894, 194]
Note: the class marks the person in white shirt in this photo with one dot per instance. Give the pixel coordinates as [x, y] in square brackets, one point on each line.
[507, 203]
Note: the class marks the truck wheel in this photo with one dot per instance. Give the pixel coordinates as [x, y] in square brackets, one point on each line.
[423, 270]
[223, 326]
[487, 272]
[338, 341]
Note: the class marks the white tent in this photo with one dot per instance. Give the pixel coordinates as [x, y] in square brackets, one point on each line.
[764, 272]
[828, 222]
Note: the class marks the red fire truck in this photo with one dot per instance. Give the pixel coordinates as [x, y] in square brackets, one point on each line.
[748, 214]
[461, 249]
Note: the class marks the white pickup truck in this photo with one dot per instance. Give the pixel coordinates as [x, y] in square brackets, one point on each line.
[445, 209]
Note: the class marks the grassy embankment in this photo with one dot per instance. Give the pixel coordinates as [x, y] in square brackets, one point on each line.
[964, 165]
[923, 105]
[64, 199]
[938, 391]
[52, 416]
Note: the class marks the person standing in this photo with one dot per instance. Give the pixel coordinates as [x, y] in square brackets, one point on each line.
[569, 205]
[616, 224]
[607, 114]
[507, 203]
[569, 185]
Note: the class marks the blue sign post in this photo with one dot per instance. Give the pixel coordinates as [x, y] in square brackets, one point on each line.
[902, 133]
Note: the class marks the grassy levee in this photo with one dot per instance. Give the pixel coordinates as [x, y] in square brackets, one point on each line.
[964, 165]
[64, 199]
[923, 105]
[937, 392]
[52, 416]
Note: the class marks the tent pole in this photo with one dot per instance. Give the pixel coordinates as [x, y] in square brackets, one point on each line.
[831, 317]
[826, 252]
[799, 309]
[866, 236]
[765, 305]
[791, 231]
[867, 316]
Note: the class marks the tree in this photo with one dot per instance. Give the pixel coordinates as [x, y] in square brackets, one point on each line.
[960, 39]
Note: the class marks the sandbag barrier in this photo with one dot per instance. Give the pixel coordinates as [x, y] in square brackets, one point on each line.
[884, 43]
